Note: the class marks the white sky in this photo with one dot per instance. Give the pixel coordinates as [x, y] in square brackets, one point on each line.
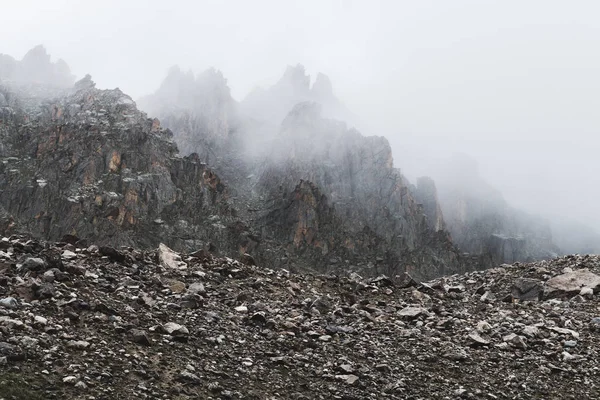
[514, 83]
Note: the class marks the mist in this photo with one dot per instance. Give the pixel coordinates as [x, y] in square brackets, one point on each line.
[513, 85]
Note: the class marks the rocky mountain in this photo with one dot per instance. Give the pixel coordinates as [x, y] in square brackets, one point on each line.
[85, 321]
[82, 162]
[307, 194]
[35, 68]
[88, 163]
[272, 105]
[481, 221]
[317, 193]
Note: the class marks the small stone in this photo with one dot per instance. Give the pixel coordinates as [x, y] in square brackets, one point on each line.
[259, 318]
[39, 320]
[346, 368]
[69, 379]
[34, 264]
[175, 329]
[595, 324]
[241, 309]
[570, 343]
[587, 293]
[46, 291]
[68, 255]
[187, 376]
[477, 340]
[412, 312]
[169, 259]
[515, 340]
[197, 288]
[49, 276]
[81, 385]
[139, 336]
[531, 331]
[483, 327]
[9, 302]
[325, 338]
[457, 355]
[349, 379]
[177, 287]
[487, 297]
[382, 367]
[565, 331]
[78, 344]
[455, 289]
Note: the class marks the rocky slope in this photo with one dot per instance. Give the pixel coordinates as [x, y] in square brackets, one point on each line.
[87, 322]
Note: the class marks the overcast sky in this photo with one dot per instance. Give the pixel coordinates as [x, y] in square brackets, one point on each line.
[514, 83]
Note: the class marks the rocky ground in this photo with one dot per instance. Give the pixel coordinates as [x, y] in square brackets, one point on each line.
[105, 323]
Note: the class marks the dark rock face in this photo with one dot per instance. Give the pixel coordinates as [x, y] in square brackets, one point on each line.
[357, 176]
[91, 165]
[426, 193]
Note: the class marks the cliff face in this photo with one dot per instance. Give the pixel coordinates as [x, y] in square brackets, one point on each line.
[426, 194]
[357, 176]
[90, 164]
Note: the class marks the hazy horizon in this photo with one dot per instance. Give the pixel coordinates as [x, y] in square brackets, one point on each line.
[511, 84]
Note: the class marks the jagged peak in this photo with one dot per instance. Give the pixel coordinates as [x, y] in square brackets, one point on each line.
[84, 83]
[322, 86]
[36, 68]
[296, 77]
[38, 53]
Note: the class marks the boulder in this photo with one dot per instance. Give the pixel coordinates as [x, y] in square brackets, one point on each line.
[571, 283]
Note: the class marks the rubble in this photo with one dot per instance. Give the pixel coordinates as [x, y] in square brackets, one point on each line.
[113, 327]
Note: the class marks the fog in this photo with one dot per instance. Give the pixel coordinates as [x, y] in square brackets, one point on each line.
[513, 84]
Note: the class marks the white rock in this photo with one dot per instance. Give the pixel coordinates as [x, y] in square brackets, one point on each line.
[68, 255]
[169, 259]
[172, 327]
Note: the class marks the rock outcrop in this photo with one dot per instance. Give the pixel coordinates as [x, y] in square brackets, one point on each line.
[90, 164]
